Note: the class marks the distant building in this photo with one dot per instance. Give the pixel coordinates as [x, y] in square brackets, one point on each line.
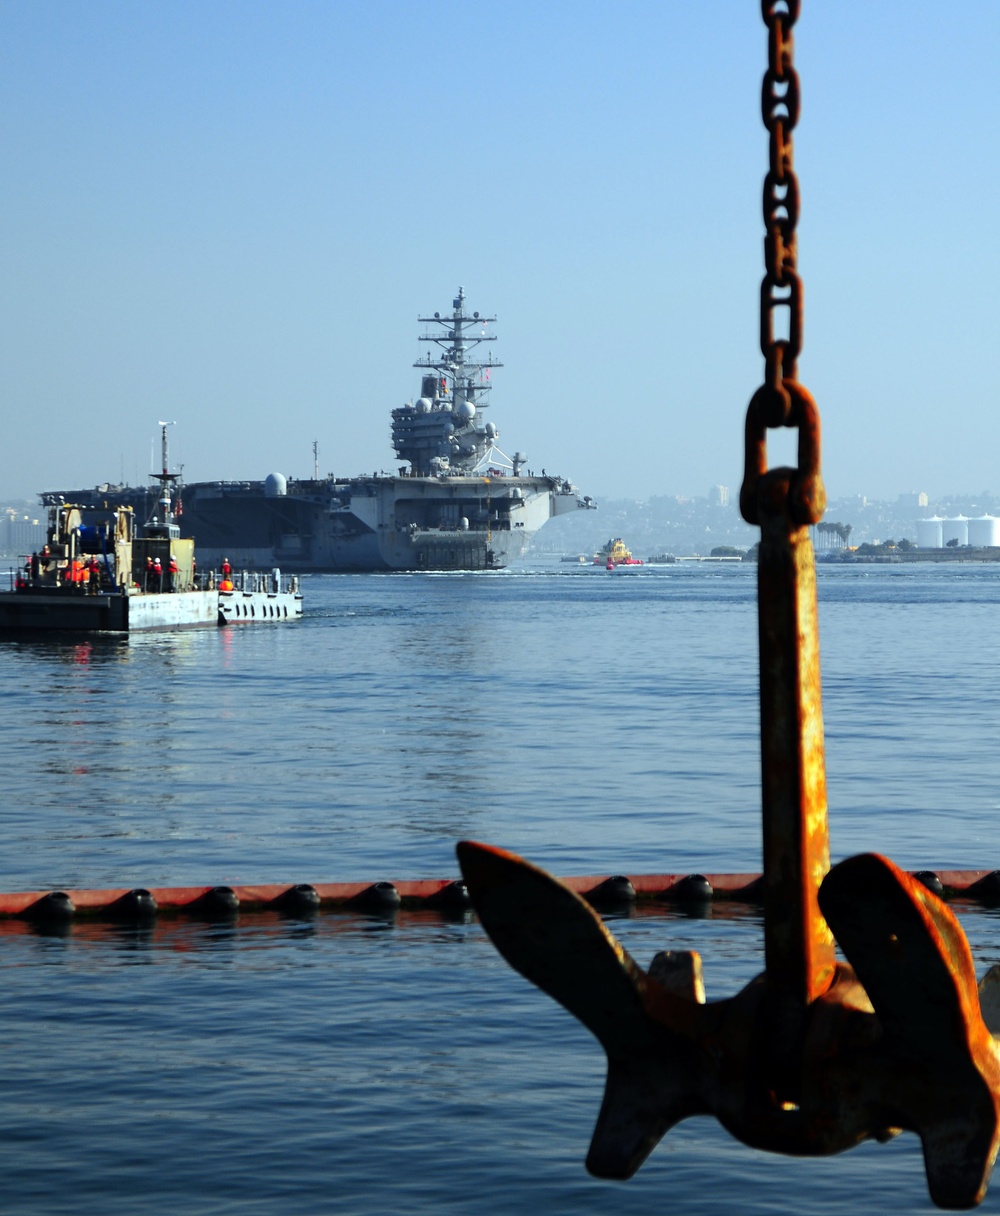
[955, 528]
[930, 533]
[718, 496]
[916, 501]
[20, 532]
[984, 532]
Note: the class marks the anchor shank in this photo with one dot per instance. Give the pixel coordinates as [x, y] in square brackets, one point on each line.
[798, 945]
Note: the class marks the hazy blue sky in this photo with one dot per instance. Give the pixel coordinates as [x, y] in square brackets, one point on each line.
[231, 214]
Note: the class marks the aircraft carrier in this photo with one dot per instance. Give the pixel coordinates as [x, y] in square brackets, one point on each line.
[457, 501]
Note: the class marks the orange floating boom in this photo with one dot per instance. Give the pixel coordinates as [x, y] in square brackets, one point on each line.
[979, 885]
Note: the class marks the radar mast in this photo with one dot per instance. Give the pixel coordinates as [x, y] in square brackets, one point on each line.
[443, 433]
[165, 477]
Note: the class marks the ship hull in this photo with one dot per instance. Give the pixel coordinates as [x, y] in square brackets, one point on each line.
[117, 612]
[106, 613]
[359, 525]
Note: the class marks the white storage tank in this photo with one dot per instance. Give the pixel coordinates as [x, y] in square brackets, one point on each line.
[929, 533]
[956, 528]
[984, 532]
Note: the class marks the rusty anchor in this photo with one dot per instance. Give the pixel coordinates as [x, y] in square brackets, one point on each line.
[814, 1055]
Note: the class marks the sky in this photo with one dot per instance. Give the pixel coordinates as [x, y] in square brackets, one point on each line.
[230, 215]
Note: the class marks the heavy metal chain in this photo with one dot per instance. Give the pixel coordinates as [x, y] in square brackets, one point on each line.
[781, 286]
[781, 400]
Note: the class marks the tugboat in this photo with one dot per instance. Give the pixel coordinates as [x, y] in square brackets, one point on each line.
[615, 555]
[109, 578]
[457, 501]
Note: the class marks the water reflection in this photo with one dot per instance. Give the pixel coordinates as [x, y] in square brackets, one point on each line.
[179, 932]
[67, 649]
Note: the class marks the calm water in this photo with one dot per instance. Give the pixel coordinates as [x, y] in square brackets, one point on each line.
[596, 724]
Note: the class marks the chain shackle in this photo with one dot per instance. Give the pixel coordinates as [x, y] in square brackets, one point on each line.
[797, 493]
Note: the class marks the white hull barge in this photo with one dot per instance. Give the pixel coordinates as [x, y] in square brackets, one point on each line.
[114, 612]
[122, 613]
[104, 578]
[260, 597]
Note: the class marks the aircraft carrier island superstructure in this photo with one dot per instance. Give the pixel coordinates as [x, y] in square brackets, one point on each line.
[456, 503]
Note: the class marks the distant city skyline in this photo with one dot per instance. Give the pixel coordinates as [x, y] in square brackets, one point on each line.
[232, 215]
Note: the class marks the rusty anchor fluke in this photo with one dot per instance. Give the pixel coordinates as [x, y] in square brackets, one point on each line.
[895, 1041]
